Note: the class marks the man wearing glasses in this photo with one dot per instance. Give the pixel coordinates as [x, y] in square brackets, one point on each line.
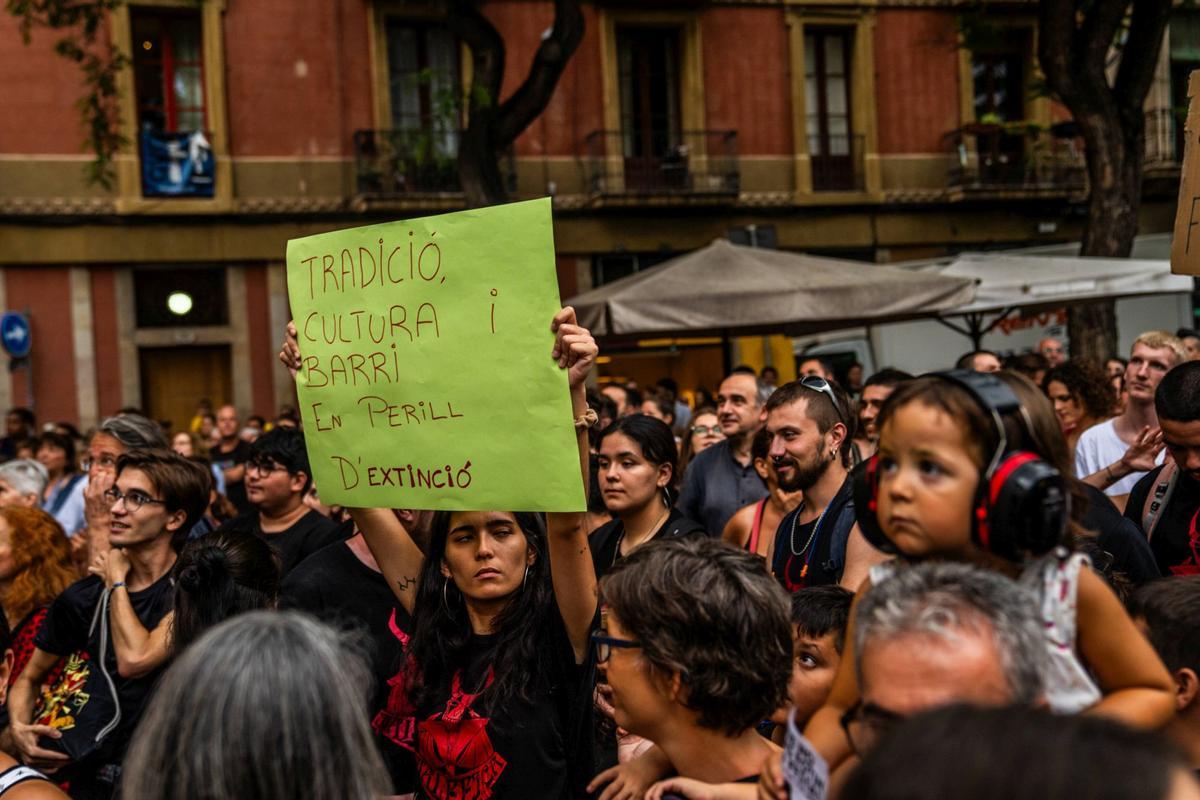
[277, 476]
[931, 635]
[155, 498]
[819, 543]
[722, 478]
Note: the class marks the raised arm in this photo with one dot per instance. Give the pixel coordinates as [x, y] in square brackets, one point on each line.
[395, 552]
[571, 568]
[398, 556]
[139, 651]
[1137, 688]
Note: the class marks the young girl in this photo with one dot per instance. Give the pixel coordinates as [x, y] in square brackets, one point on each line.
[636, 461]
[938, 440]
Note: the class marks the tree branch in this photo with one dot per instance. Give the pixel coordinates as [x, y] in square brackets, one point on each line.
[1140, 56]
[555, 51]
[1056, 47]
[467, 22]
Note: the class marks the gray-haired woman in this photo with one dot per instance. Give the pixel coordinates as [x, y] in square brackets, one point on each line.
[266, 705]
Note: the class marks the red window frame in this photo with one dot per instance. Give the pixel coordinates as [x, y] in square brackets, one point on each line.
[167, 64]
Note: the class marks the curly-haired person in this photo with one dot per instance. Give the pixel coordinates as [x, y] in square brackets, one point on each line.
[1081, 394]
[697, 647]
[35, 568]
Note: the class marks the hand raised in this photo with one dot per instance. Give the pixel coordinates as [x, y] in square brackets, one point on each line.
[575, 349]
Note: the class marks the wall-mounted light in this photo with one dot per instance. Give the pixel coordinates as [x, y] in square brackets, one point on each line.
[179, 303]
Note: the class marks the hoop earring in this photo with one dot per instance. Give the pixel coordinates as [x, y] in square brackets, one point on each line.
[525, 578]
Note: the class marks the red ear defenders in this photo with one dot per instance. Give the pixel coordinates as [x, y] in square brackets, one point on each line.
[1021, 505]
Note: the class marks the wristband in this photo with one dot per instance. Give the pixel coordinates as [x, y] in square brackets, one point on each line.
[587, 419]
[1108, 471]
[117, 585]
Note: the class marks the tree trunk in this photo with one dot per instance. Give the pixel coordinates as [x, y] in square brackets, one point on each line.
[1073, 50]
[492, 126]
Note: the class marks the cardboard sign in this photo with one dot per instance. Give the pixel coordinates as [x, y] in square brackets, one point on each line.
[1185, 246]
[427, 380]
[804, 769]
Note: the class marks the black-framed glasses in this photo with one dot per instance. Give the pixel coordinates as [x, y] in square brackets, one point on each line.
[705, 430]
[264, 466]
[864, 723]
[134, 499]
[819, 384]
[604, 645]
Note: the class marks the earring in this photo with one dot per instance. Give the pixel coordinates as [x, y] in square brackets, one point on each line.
[526, 578]
[445, 600]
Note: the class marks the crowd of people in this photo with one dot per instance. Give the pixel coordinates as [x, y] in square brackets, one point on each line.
[983, 582]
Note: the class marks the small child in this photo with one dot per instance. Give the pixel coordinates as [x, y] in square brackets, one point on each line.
[1168, 611]
[941, 488]
[820, 614]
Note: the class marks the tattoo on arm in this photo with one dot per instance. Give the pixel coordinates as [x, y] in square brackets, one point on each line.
[406, 582]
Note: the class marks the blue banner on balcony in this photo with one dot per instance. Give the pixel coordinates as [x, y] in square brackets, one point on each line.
[177, 164]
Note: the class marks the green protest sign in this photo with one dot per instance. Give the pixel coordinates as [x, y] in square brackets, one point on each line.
[426, 378]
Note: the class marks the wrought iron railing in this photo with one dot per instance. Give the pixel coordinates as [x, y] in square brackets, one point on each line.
[837, 162]
[993, 156]
[662, 163]
[404, 162]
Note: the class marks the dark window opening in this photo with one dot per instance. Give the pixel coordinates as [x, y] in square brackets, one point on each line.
[168, 67]
[652, 142]
[832, 145]
[180, 297]
[998, 81]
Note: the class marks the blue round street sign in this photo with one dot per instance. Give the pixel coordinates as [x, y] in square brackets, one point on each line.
[15, 336]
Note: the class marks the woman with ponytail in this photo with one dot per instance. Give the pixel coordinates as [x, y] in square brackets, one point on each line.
[217, 576]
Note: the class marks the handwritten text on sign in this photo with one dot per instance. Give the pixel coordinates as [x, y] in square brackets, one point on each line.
[426, 379]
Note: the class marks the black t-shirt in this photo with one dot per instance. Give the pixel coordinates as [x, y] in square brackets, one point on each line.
[308, 535]
[234, 490]
[65, 631]
[605, 541]
[814, 553]
[334, 585]
[1120, 541]
[1171, 540]
[517, 750]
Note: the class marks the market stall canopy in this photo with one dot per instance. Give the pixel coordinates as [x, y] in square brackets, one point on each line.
[1032, 282]
[729, 289]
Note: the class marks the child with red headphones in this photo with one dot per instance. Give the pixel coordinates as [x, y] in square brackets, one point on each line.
[954, 480]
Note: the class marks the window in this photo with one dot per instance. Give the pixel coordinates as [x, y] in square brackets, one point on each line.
[609, 267]
[831, 144]
[168, 67]
[998, 82]
[168, 70]
[651, 140]
[423, 82]
[418, 152]
[166, 298]
[1185, 57]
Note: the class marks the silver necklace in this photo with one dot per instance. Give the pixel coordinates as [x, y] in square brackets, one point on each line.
[811, 536]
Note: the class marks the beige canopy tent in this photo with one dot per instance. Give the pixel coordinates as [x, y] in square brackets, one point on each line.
[730, 290]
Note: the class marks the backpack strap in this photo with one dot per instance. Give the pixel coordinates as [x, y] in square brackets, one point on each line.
[1158, 497]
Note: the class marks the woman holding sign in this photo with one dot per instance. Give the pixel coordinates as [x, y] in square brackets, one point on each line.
[495, 695]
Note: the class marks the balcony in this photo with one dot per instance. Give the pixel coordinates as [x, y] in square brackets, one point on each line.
[689, 166]
[837, 162]
[1017, 159]
[398, 164]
